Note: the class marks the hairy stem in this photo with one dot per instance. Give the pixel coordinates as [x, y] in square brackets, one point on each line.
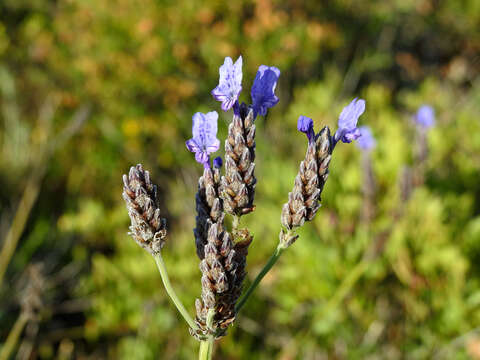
[273, 259]
[168, 287]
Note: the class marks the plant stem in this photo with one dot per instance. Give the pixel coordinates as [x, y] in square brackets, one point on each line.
[168, 286]
[273, 259]
[13, 336]
[206, 346]
[18, 225]
[206, 349]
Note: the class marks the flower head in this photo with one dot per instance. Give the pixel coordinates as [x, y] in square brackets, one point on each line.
[204, 140]
[230, 83]
[366, 141]
[263, 89]
[305, 125]
[425, 116]
[347, 122]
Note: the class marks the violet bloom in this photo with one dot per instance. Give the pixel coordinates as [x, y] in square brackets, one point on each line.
[217, 162]
[230, 83]
[347, 122]
[263, 89]
[425, 116]
[305, 125]
[204, 140]
[366, 141]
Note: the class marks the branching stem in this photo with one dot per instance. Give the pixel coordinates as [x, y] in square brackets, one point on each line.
[273, 259]
[168, 287]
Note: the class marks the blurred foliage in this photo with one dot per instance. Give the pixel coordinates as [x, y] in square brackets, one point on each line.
[145, 67]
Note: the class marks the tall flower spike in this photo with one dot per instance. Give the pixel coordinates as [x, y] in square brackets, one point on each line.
[148, 229]
[263, 89]
[366, 141]
[425, 116]
[222, 262]
[204, 140]
[304, 200]
[230, 83]
[347, 122]
[238, 184]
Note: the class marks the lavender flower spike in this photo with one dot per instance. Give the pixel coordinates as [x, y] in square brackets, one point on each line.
[366, 141]
[230, 83]
[305, 125]
[204, 140]
[425, 116]
[263, 89]
[347, 122]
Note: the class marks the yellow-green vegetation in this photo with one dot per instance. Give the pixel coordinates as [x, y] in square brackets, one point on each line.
[89, 88]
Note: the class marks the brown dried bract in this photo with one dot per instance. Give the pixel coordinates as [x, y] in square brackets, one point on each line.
[238, 184]
[222, 261]
[304, 199]
[147, 228]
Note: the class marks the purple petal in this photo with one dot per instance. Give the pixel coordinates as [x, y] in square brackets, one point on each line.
[230, 83]
[192, 146]
[201, 157]
[305, 125]
[349, 117]
[263, 89]
[217, 162]
[350, 135]
[219, 94]
[237, 67]
[204, 140]
[211, 123]
[366, 141]
[347, 121]
[425, 116]
[212, 147]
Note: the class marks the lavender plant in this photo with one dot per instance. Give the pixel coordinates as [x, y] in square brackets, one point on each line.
[221, 248]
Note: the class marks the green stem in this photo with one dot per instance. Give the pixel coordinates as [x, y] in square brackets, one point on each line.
[206, 346]
[18, 225]
[206, 349]
[273, 259]
[13, 336]
[168, 286]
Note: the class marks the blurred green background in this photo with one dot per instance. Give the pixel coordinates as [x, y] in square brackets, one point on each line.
[89, 88]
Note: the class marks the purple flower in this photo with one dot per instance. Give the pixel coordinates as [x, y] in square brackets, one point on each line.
[425, 116]
[347, 122]
[305, 125]
[230, 83]
[217, 162]
[263, 89]
[366, 141]
[204, 140]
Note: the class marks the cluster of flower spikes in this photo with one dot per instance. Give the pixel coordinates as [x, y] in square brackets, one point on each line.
[223, 255]
[304, 199]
